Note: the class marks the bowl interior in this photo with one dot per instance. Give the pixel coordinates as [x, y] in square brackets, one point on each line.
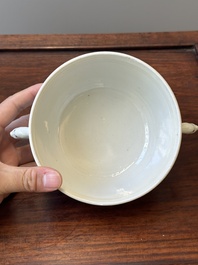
[110, 124]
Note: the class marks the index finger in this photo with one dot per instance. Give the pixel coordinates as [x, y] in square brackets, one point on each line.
[13, 105]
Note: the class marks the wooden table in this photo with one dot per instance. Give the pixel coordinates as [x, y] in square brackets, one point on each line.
[159, 228]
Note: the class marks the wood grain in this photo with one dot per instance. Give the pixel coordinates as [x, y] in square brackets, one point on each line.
[159, 228]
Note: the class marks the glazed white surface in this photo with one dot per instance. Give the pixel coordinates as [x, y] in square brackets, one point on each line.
[110, 124]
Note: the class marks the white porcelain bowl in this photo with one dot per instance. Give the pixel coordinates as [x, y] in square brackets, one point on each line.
[110, 124]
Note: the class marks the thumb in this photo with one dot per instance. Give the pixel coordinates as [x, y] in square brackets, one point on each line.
[32, 179]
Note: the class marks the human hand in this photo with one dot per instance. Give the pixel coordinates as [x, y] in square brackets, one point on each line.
[18, 173]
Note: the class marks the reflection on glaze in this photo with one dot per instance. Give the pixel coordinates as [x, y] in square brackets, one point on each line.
[145, 147]
[46, 126]
[122, 171]
[123, 192]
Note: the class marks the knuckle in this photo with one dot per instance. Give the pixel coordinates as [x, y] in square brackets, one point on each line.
[29, 180]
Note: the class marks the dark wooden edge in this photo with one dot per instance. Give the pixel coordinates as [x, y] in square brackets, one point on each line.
[99, 41]
[196, 49]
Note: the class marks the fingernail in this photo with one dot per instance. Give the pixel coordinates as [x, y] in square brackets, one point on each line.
[51, 180]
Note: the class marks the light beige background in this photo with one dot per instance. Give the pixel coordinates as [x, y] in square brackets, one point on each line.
[96, 16]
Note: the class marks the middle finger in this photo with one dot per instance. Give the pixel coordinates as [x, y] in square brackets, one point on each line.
[24, 154]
